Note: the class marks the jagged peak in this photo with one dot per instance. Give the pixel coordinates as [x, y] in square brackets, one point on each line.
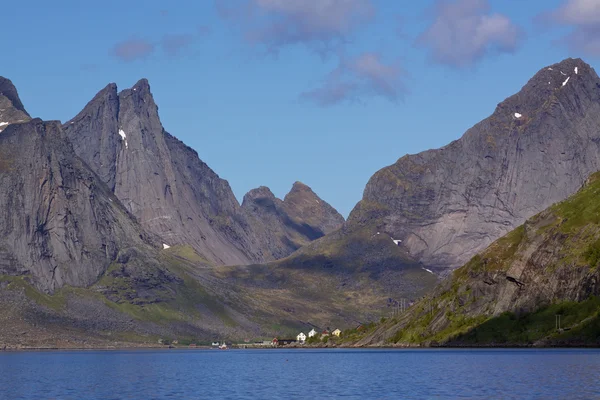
[141, 88]
[300, 186]
[8, 90]
[259, 194]
[552, 80]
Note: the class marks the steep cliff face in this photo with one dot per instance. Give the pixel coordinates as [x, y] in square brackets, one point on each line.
[160, 180]
[548, 266]
[281, 227]
[537, 148]
[11, 108]
[177, 196]
[59, 223]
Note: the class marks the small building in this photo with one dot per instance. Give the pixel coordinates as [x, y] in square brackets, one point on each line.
[312, 333]
[301, 337]
[283, 342]
[337, 333]
[325, 333]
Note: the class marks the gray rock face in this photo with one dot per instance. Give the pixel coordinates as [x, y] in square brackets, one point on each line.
[304, 205]
[537, 148]
[282, 227]
[11, 108]
[59, 223]
[159, 180]
[172, 193]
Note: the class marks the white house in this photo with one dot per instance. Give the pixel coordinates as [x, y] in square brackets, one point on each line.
[312, 333]
[301, 337]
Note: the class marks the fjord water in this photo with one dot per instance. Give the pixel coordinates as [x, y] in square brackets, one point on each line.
[286, 374]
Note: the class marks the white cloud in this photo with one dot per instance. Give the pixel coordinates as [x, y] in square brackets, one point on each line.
[364, 76]
[464, 31]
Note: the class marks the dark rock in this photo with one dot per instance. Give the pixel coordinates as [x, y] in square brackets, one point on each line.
[282, 227]
[11, 108]
[58, 221]
[173, 193]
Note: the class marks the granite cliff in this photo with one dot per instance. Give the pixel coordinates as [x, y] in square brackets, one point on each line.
[171, 192]
[445, 205]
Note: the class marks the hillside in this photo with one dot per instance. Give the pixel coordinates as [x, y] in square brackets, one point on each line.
[511, 293]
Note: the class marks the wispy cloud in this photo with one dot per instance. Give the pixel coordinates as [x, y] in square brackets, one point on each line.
[364, 76]
[320, 24]
[133, 49]
[584, 17]
[173, 44]
[464, 31]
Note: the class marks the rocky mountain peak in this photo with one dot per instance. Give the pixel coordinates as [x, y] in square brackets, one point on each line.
[537, 148]
[549, 83]
[11, 108]
[8, 90]
[261, 198]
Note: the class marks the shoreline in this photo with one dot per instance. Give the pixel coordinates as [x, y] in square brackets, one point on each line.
[132, 346]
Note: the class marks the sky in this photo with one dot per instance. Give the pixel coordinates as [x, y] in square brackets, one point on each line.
[270, 92]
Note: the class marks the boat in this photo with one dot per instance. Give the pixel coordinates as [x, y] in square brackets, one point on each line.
[223, 346]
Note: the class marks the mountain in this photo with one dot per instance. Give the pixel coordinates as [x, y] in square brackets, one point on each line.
[78, 269]
[285, 226]
[513, 292]
[11, 108]
[59, 223]
[443, 206]
[175, 195]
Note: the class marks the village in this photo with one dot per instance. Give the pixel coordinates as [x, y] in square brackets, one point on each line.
[313, 337]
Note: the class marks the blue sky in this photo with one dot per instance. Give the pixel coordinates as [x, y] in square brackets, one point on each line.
[273, 91]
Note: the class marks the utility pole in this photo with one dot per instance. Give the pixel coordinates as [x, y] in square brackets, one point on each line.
[557, 321]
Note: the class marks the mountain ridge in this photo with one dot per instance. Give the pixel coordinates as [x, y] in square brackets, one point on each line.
[444, 205]
[164, 183]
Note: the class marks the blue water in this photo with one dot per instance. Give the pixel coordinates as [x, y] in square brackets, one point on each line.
[301, 374]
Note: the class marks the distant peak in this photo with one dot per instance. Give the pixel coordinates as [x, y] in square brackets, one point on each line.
[261, 191]
[300, 185]
[107, 91]
[261, 195]
[142, 85]
[562, 77]
[8, 90]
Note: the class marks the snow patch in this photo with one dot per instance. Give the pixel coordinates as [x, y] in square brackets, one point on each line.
[428, 270]
[576, 70]
[317, 201]
[166, 246]
[397, 241]
[123, 137]
[3, 123]
[565, 82]
[550, 69]
[517, 115]
[563, 73]
[378, 233]
[134, 89]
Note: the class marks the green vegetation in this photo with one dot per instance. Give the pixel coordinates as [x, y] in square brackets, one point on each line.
[579, 322]
[497, 257]
[592, 254]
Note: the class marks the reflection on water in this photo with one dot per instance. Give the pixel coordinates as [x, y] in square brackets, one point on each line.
[283, 374]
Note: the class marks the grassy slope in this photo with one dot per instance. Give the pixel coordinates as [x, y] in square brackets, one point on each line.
[176, 293]
[555, 255]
